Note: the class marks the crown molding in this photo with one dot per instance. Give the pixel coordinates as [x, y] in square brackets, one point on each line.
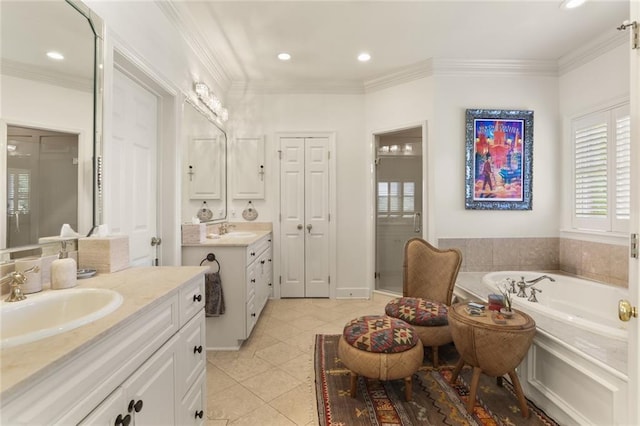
[296, 87]
[592, 50]
[495, 67]
[194, 38]
[36, 73]
[413, 72]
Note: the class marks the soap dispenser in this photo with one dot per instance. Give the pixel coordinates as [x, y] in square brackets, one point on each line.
[64, 271]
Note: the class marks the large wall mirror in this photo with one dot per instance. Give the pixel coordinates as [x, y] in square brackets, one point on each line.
[50, 122]
[204, 182]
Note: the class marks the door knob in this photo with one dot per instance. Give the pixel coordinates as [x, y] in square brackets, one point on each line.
[309, 226]
[626, 311]
[299, 226]
[155, 241]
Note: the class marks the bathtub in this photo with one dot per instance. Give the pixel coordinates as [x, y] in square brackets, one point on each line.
[576, 368]
[582, 303]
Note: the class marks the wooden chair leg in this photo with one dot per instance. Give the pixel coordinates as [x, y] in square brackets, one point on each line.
[434, 351]
[354, 384]
[474, 389]
[519, 393]
[457, 370]
[408, 388]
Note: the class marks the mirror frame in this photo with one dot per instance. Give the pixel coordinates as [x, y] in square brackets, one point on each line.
[207, 115]
[96, 25]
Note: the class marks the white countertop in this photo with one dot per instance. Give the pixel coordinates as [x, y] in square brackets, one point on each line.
[610, 352]
[141, 289]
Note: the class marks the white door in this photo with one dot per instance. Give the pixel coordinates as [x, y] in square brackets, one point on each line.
[130, 164]
[634, 264]
[304, 209]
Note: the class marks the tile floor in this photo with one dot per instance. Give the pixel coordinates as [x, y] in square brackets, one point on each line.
[269, 381]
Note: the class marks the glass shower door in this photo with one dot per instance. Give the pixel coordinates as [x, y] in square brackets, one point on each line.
[398, 205]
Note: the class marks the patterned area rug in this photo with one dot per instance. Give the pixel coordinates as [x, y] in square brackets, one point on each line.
[435, 400]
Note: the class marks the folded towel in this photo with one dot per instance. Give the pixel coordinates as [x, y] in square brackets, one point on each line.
[214, 299]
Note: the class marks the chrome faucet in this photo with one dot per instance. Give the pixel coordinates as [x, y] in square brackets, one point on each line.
[540, 278]
[18, 279]
[533, 298]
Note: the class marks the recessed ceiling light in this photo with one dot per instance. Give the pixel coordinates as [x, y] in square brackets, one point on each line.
[55, 55]
[572, 4]
[364, 57]
[284, 56]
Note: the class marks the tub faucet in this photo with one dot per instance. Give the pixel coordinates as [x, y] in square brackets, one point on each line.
[540, 278]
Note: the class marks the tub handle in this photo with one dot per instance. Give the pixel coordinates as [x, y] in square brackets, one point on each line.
[626, 311]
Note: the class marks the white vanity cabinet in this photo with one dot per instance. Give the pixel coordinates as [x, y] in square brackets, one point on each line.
[148, 370]
[246, 274]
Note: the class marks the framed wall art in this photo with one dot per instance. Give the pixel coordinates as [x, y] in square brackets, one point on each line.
[499, 159]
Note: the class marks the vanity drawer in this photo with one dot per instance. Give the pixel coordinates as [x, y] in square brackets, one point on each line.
[255, 250]
[191, 299]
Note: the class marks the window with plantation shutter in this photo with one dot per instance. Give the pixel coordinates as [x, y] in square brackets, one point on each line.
[396, 199]
[601, 148]
[18, 191]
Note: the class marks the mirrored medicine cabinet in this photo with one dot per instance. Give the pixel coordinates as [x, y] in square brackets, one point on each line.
[204, 182]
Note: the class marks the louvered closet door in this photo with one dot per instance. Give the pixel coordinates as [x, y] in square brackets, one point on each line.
[304, 198]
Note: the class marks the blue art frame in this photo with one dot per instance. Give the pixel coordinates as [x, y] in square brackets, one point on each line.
[499, 159]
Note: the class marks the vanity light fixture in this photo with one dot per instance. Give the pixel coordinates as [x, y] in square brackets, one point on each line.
[57, 56]
[364, 57]
[284, 56]
[572, 4]
[211, 101]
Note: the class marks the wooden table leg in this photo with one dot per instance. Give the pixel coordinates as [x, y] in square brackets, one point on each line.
[519, 394]
[408, 388]
[475, 379]
[456, 371]
[354, 384]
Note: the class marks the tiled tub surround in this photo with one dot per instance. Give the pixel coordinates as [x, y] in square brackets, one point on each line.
[606, 263]
[576, 376]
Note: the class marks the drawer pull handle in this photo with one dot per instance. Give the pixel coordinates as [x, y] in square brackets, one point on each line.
[253, 314]
[197, 298]
[270, 284]
[197, 349]
[262, 261]
[123, 421]
[135, 405]
[199, 414]
[253, 280]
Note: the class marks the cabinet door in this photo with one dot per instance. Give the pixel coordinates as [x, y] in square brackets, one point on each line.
[150, 391]
[108, 411]
[205, 169]
[193, 408]
[248, 170]
[192, 353]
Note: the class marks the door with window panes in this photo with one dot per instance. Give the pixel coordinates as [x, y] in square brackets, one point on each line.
[398, 203]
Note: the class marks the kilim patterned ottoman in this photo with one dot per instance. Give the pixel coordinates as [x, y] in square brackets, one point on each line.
[380, 347]
[429, 318]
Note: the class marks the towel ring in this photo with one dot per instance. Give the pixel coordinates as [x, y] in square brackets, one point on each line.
[211, 258]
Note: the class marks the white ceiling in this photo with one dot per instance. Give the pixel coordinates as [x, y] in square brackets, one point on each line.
[324, 37]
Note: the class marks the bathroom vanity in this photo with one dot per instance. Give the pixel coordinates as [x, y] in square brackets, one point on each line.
[245, 260]
[143, 364]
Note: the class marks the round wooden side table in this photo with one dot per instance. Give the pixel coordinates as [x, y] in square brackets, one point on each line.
[491, 348]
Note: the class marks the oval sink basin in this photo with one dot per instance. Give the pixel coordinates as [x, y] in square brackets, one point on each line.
[240, 234]
[53, 312]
